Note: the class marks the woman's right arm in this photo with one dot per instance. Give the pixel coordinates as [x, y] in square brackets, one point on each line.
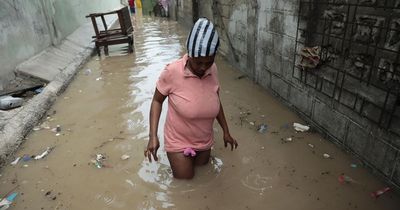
[155, 112]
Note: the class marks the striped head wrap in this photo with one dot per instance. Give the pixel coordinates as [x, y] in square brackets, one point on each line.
[203, 39]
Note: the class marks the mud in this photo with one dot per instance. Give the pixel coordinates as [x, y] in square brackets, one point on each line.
[105, 111]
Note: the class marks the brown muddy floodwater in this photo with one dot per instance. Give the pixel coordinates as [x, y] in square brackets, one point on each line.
[105, 111]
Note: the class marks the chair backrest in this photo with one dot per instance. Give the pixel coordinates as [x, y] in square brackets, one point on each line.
[125, 21]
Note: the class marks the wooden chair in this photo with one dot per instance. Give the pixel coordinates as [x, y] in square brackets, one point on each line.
[120, 35]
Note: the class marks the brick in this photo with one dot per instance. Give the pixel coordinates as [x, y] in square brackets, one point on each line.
[264, 78]
[357, 139]
[288, 50]
[273, 43]
[348, 98]
[274, 64]
[301, 100]
[381, 156]
[371, 93]
[371, 112]
[332, 121]
[328, 88]
[280, 87]
[287, 69]
[328, 73]
[281, 23]
[395, 128]
[396, 174]
[279, 5]
[354, 116]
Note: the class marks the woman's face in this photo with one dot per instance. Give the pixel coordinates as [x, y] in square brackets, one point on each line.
[200, 65]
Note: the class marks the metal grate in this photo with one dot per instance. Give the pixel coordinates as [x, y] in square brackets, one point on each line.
[359, 44]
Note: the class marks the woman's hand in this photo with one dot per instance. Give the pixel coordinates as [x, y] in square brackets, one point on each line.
[152, 148]
[228, 139]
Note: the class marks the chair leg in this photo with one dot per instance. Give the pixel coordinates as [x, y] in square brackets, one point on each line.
[106, 50]
[98, 50]
[130, 45]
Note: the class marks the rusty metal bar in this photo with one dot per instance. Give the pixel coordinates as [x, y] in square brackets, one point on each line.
[297, 41]
[383, 109]
[343, 58]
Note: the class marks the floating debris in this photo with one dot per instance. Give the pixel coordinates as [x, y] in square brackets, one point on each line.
[7, 201]
[311, 145]
[262, 128]
[125, 157]
[286, 140]
[129, 182]
[325, 155]
[50, 196]
[88, 71]
[99, 78]
[380, 192]
[58, 128]
[9, 102]
[26, 158]
[346, 179]
[45, 125]
[353, 165]
[44, 154]
[301, 128]
[99, 161]
[15, 161]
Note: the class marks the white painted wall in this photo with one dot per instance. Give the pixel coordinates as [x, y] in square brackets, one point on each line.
[29, 26]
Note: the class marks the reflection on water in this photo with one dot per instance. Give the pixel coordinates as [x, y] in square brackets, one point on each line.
[156, 44]
[257, 182]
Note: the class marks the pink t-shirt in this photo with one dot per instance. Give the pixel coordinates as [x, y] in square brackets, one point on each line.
[193, 104]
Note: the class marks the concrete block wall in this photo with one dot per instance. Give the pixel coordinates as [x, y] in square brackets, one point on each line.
[260, 38]
[184, 12]
[29, 27]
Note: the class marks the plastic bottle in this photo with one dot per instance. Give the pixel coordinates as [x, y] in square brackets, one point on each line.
[9, 102]
[380, 192]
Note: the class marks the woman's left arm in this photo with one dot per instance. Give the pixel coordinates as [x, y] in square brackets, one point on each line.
[227, 136]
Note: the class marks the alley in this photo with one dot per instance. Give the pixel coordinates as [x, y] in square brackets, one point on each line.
[105, 111]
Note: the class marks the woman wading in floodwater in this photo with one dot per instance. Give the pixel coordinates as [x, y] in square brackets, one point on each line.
[192, 88]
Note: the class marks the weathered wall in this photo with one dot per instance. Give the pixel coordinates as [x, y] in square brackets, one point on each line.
[352, 97]
[28, 27]
[185, 12]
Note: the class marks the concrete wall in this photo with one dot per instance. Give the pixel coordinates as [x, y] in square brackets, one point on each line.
[28, 27]
[184, 12]
[260, 38]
